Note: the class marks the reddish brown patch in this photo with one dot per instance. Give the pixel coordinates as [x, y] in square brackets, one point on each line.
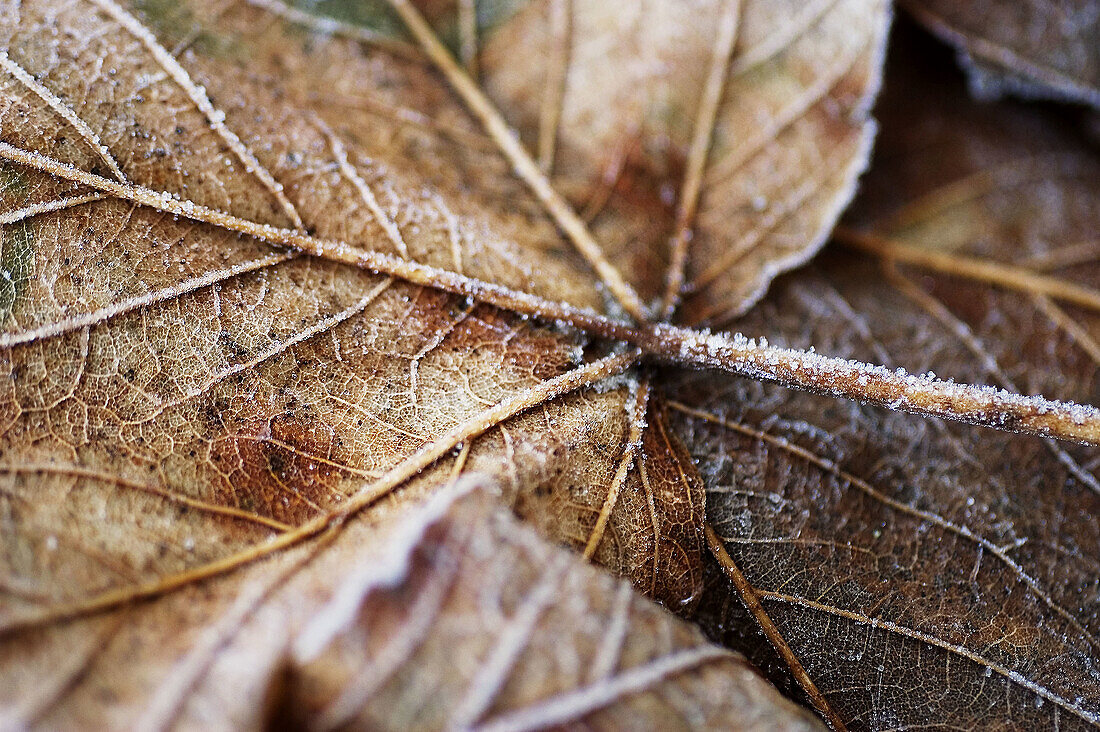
[637, 214]
[542, 352]
[644, 181]
[680, 498]
[276, 461]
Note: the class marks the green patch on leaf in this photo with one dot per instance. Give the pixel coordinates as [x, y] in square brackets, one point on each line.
[379, 17]
[491, 14]
[171, 21]
[16, 264]
[375, 15]
[174, 23]
[12, 182]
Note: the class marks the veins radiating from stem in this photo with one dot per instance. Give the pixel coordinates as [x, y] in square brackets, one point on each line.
[677, 346]
[735, 354]
[690, 192]
[692, 186]
[748, 596]
[394, 478]
[525, 166]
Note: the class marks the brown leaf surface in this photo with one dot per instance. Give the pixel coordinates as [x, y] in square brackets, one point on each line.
[924, 573]
[204, 432]
[655, 512]
[450, 615]
[615, 94]
[488, 625]
[1034, 48]
[176, 392]
[182, 399]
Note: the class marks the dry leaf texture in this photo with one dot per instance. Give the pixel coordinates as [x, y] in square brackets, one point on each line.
[479, 618]
[206, 433]
[617, 94]
[924, 573]
[182, 399]
[1034, 48]
[449, 616]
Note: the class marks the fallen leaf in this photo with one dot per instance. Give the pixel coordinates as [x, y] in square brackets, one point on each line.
[268, 289]
[731, 131]
[472, 630]
[1049, 50]
[447, 616]
[921, 572]
[183, 399]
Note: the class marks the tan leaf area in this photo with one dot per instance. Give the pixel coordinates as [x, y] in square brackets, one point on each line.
[279, 148]
[450, 616]
[723, 156]
[898, 556]
[274, 278]
[477, 620]
[182, 399]
[175, 391]
[1034, 48]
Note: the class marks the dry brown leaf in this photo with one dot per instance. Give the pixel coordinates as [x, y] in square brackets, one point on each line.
[179, 394]
[615, 97]
[449, 616]
[266, 289]
[183, 399]
[190, 365]
[487, 625]
[924, 573]
[1034, 48]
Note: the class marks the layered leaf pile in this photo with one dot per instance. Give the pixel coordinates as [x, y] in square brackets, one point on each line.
[329, 363]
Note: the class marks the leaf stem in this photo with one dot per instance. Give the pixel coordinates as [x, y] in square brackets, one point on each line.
[523, 164]
[1003, 275]
[897, 389]
[748, 596]
[736, 354]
